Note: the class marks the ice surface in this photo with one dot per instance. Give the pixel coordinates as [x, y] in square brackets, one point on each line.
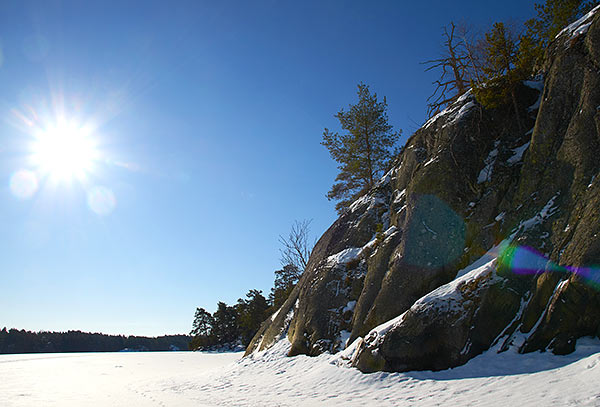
[271, 379]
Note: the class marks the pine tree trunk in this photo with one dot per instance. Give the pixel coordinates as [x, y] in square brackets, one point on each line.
[516, 107]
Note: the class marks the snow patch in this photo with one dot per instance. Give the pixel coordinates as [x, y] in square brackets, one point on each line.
[485, 174]
[539, 86]
[580, 26]
[343, 338]
[491, 255]
[432, 160]
[349, 307]
[456, 111]
[371, 200]
[547, 211]
[461, 113]
[518, 153]
[275, 314]
[344, 257]
[386, 178]
[399, 196]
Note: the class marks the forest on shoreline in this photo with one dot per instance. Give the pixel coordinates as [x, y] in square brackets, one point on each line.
[22, 341]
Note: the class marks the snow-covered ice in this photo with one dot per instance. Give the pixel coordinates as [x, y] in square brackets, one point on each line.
[270, 379]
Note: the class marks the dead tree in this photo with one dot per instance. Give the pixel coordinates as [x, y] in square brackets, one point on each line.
[456, 64]
[296, 248]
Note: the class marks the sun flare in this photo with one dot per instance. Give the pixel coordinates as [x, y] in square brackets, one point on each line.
[65, 151]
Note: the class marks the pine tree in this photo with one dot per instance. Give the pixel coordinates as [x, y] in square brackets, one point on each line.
[225, 327]
[363, 151]
[553, 16]
[252, 311]
[202, 330]
[202, 324]
[285, 281]
[502, 69]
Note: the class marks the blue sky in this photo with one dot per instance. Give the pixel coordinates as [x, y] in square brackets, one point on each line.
[207, 118]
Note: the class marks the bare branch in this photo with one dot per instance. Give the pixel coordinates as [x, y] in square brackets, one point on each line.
[296, 248]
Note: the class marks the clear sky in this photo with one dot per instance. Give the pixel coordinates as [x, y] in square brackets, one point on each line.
[203, 121]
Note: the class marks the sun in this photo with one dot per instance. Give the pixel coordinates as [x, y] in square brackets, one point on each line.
[65, 151]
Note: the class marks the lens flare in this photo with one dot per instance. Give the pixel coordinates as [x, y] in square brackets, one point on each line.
[101, 200]
[525, 260]
[24, 184]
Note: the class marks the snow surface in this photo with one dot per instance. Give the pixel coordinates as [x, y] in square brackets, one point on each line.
[270, 378]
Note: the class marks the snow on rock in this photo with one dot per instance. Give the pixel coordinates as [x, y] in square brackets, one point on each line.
[449, 297]
[387, 177]
[455, 111]
[580, 26]
[431, 161]
[518, 154]
[446, 298]
[490, 256]
[353, 253]
[461, 113]
[538, 85]
[349, 307]
[546, 212]
[485, 174]
[275, 314]
[343, 257]
[399, 196]
[343, 338]
[369, 200]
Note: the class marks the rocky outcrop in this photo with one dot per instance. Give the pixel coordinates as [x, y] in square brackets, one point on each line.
[481, 233]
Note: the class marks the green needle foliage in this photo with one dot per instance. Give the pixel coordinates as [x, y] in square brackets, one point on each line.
[553, 16]
[363, 150]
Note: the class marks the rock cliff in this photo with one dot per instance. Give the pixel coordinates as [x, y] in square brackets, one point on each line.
[481, 233]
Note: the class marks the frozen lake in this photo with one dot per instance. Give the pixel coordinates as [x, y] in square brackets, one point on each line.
[110, 379]
[271, 379]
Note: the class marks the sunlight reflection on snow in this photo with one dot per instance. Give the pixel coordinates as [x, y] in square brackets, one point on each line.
[101, 200]
[23, 184]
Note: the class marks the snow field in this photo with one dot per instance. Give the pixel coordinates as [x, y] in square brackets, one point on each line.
[270, 379]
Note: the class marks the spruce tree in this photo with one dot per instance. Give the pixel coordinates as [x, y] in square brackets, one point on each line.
[363, 150]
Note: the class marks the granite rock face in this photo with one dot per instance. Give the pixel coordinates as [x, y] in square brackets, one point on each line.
[488, 234]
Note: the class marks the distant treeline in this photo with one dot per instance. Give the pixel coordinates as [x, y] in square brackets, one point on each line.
[22, 341]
